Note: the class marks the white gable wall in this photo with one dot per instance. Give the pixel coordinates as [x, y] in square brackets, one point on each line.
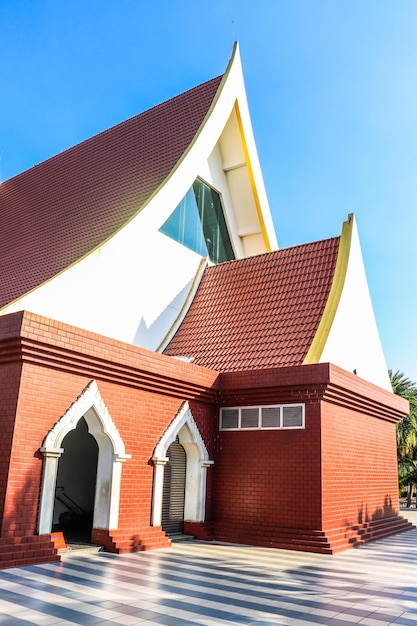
[353, 342]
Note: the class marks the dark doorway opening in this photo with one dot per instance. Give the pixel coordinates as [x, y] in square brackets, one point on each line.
[76, 485]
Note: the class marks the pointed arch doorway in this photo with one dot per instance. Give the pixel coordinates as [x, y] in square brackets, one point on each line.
[192, 480]
[88, 423]
[76, 485]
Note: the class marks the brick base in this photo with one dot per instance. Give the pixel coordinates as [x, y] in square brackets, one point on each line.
[365, 532]
[27, 550]
[311, 540]
[203, 531]
[135, 540]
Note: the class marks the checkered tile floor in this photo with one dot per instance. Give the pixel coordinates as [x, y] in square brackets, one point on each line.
[201, 583]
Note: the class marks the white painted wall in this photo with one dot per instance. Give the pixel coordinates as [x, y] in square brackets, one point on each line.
[132, 289]
[353, 342]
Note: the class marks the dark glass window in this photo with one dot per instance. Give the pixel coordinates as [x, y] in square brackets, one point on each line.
[249, 418]
[230, 418]
[198, 222]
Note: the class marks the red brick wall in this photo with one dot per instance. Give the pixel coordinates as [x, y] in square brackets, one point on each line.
[360, 481]
[312, 489]
[44, 396]
[52, 379]
[269, 477]
[262, 483]
[9, 390]
[141, 418]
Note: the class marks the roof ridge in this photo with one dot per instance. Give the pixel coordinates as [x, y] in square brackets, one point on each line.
[310, 243]
[280, 251]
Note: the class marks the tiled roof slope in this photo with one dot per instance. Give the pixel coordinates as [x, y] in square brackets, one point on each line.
[258, 312]
[60, 210]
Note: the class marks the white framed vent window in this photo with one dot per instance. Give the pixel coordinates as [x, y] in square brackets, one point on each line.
[275, 417]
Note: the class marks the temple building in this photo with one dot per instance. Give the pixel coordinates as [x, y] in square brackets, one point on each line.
[166, 369]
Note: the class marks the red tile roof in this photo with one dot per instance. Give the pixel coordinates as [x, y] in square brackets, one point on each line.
[258, 312]
[57, 212]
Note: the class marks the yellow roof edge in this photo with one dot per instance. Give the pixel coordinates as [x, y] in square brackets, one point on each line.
[322, 333]
[200, 129]
[252, 179]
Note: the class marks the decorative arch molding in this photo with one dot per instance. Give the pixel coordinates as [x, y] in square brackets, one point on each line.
[111, 454]
[89, 400]
[184, 428]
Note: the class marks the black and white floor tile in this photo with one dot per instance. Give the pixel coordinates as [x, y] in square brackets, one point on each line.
[214, 585]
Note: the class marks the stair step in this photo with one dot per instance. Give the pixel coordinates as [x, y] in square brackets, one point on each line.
[78, 549]
[178, 538]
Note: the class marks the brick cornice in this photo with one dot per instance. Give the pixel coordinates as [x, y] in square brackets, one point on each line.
[350, 399]
[30, 338]
[46, 354]
[271, 394]
[311, 383]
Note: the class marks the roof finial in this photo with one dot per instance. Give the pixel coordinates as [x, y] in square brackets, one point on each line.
[233, 31]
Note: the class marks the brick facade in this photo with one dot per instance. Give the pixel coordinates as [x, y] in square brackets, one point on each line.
[323, 488]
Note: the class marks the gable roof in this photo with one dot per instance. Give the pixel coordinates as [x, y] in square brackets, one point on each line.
[60, 210]
[258, 312]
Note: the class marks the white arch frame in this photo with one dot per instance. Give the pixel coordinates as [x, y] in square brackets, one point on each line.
[184, 427]
[111, 454]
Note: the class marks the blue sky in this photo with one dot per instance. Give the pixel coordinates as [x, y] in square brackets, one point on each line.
[332, 90]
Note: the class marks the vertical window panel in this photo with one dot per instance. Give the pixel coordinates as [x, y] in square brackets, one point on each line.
[271, 417]
[229, 418]
[292, 417]
[249, 418]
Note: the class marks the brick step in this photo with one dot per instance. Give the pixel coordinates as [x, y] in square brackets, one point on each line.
[22, 539]
[203, 531]
[305, 546]
[30, 550]
[372, 534]
[268, 540]
[269, 529]
[360, 534]
[123, 541]
[35, 560]
[318, 536]
[316, 549]
[386, 522]
[301, 540]
[321, 541]
[335, 525]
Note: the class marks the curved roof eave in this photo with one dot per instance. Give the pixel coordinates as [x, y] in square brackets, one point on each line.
[323, 330]
[28, 194]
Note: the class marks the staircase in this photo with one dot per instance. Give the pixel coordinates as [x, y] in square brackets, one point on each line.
[26, 550]
[363, 533]
[329, 541]
[125, 541]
